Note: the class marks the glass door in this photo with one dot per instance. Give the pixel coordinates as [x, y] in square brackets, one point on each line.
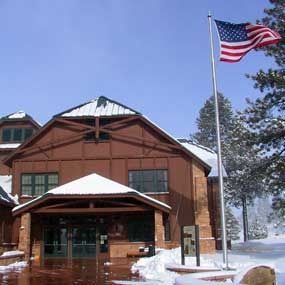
[55, 242]
[83, 242]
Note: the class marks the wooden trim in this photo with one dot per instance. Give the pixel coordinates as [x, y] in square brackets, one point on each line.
[123, 121]
[88, 197]
[97, 128]
[91, 210]
[100, 158]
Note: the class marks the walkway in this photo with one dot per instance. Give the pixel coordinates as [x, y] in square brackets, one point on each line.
[77, 271]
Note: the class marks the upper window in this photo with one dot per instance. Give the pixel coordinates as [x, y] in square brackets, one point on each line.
[92, 136]
[149, 181]
[38, 184]
[16, 134]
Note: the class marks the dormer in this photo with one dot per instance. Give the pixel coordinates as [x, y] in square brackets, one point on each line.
[15, 128]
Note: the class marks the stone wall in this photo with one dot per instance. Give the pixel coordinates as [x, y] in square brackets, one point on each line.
[202, 216]
[25, 235]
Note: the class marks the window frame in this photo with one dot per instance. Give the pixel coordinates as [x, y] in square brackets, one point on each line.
[13, 132]
[142, 180]
[33, 184]
[137, 231]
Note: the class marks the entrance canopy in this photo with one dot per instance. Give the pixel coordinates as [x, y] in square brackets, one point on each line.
[91, 194]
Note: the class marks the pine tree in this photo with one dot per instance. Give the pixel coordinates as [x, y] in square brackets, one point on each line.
[257, 230]
[265, 116]
[233, 226]
[244, 183]
[277, 216]
[206, 124]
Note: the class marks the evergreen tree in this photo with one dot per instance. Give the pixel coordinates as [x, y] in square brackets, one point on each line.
[243, 183]
[206, 123]
[257, 230]
[277, 216]
[265, 117]
[233, 226]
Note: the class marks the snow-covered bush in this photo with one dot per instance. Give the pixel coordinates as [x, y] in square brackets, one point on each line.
[257, 230]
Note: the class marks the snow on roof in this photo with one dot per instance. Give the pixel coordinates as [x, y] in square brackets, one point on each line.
[17, 115]
[5, 189]
[93, 184]
[205, 154]
[6, 182]
[98, 107]
[9, 145]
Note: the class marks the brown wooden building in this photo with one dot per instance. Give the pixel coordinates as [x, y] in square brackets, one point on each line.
[102, 180]
[14, 130]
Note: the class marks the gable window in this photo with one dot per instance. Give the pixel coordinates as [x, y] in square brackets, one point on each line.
[16, 134]
[92, 136]
[149, 181]
[37, 184]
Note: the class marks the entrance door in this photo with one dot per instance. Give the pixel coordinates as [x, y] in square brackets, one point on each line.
[55, 242]
[83, 242]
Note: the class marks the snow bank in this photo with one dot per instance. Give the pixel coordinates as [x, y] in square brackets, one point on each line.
[268, 252]
[12, 252]
[17, 266]
[154, 268]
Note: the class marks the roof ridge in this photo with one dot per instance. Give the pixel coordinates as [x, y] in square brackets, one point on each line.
[7, 117]
[98, 101]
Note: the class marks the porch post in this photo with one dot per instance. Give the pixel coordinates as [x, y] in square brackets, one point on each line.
[159, 229]
[25, 235]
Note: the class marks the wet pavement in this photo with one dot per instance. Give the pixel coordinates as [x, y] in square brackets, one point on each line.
[76, 271]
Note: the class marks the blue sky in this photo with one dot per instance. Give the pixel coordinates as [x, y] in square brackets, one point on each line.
[152, 55]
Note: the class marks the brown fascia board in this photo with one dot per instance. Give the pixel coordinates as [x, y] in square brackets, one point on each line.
[48, 196]
[173, 141]
[8, 204]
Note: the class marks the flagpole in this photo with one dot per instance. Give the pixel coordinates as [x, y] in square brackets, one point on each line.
[220, 172]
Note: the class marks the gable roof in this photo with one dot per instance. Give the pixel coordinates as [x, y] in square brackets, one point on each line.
[93, 185]
[16, 115]
[20, 115]
[105, 107]
[205, 154]
[99, 107]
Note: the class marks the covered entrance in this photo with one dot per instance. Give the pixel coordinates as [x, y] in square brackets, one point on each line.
[92, 217]
[69, 242]
[76, 237]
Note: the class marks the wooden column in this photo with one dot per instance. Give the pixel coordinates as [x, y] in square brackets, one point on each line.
[25, 235]
[159, 229]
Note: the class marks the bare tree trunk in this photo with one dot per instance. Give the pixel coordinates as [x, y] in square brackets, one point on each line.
[245, 219]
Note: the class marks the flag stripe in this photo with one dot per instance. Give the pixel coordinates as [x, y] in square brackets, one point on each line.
[238, 39]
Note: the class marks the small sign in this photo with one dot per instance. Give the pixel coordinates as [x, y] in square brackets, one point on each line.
[190, 243]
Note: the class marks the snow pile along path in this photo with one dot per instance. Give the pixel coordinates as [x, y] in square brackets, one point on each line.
[17, 266]
[269, 252]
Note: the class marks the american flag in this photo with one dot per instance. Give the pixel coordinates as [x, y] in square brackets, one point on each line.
[236, 40]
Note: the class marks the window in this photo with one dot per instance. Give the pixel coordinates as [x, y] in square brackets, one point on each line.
[140, 231]
[38, 184]
[167, 230]
[16, 134]
[148, 181]
[92, 136]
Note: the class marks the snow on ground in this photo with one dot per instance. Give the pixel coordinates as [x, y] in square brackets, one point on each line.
[269, 252]
[17, 266]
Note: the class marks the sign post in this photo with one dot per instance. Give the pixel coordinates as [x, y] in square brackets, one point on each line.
[190, 243]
